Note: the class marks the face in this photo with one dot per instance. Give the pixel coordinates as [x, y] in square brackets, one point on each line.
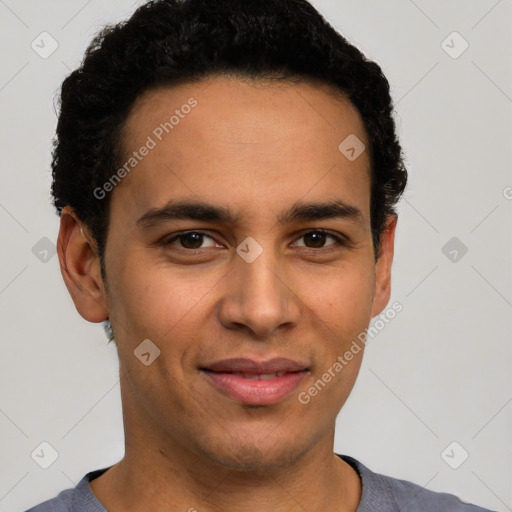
[243, 232]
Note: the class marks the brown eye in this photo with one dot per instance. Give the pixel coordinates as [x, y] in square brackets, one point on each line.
[191, 240]
[317, 239]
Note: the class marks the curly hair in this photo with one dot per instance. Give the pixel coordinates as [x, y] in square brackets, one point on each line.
[170, 42]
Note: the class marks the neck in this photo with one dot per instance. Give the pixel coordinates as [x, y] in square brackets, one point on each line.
[152, 481]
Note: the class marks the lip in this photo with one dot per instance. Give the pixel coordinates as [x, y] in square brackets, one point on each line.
[247, 365]
[226, 377]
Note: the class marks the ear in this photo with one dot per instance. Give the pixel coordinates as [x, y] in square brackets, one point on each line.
[80, 267]
[382, 290]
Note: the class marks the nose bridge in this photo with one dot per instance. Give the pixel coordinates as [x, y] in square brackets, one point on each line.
[259, 296]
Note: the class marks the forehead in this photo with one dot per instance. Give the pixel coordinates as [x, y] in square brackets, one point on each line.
[224, 137]
[233, 98]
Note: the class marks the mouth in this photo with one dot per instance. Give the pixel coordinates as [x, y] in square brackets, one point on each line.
[254, 382]
[253, 376]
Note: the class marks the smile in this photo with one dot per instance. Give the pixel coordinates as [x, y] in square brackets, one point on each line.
[255, 388]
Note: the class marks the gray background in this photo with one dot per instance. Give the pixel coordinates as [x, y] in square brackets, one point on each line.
[437, 373]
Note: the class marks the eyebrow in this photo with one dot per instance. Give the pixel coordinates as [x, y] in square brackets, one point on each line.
[321, 211]
[202, 211]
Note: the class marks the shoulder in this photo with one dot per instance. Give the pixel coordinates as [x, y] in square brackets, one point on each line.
[61, 503]
[386, 494]
[78, 499]
[409, 496]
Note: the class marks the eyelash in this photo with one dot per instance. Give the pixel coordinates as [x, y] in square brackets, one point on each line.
[341, 241]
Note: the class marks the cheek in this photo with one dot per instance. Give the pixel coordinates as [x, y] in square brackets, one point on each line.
[342, 311]
[154, 298]
[343, 300]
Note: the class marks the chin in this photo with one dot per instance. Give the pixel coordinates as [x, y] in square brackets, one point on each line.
[249, 454]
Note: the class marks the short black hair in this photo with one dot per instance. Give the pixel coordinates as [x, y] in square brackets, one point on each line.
[171, 42]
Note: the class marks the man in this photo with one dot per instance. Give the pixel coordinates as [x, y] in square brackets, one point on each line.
[226, 174]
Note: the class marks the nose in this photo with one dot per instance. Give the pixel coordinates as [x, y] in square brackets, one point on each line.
[259, 297]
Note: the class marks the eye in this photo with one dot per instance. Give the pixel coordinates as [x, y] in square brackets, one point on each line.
[196, 240]
[316, 239]
[190, 240]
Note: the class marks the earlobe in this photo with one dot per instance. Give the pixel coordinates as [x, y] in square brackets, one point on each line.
[80, 268]
[382, 291]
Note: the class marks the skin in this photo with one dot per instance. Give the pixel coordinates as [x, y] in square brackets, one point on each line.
[257, 148]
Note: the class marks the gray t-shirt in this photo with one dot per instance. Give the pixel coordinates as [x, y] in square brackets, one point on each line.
[379, 494]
